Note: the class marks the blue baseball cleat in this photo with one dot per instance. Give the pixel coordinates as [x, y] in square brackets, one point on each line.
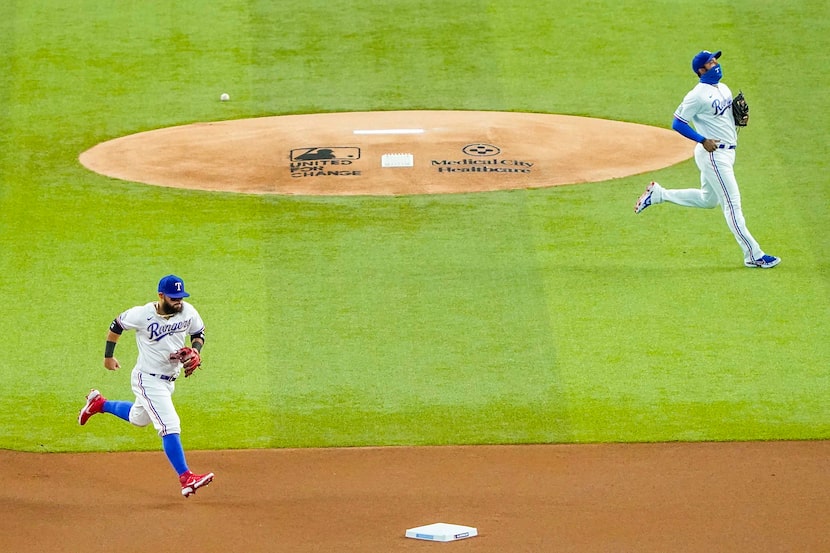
[645, 198]
[766, 262]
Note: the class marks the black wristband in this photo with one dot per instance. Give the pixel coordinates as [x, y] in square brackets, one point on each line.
[109, 350]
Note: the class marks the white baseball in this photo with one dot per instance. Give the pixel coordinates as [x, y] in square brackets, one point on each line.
[225, 97]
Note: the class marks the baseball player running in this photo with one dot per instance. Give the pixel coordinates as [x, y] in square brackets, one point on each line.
[160, 328]
[708, 106]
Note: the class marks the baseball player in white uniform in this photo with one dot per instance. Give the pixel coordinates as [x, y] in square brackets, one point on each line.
[160, 330]
[708, 107]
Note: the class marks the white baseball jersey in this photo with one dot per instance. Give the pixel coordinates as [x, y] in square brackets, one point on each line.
[708, 108]
[157, 337]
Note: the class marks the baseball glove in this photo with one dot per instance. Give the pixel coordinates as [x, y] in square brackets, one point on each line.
[740, 110]
[189, 358]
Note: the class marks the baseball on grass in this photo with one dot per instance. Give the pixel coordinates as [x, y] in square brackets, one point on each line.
[225, 97]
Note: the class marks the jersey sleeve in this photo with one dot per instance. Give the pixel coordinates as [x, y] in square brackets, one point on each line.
[688, 108]
[132, 318]
[197, 326]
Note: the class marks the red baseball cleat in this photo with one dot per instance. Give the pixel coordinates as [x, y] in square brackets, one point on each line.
[94, 404]
[192, 482]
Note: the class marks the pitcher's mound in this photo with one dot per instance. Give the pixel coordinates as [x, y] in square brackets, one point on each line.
[388, 153]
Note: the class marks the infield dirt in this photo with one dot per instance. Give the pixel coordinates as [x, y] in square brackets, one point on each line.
[694, 497]
[343, 153]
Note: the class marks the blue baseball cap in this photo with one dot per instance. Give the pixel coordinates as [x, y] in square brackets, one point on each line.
[702, 58]
[172, 287]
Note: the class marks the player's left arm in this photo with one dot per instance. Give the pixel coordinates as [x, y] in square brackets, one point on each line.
[197, 336]
[190, 357]
[197, 340]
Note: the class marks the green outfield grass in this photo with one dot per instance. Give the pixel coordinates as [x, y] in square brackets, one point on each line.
[551, 315]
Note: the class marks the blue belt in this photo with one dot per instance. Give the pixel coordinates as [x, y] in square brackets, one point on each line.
[163, 376]
[725, 147]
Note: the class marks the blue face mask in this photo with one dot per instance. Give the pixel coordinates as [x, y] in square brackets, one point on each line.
[713, 76]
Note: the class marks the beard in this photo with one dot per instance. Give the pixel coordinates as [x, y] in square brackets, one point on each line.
[168, 308]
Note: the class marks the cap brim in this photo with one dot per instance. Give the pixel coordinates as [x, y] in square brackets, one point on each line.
[178, 296]
[717, 54]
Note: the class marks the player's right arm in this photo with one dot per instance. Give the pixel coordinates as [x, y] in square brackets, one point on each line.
[686, 130]
[683, 115]
[114, 333]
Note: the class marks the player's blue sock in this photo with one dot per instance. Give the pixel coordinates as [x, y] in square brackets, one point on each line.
[175, 452]
[120, 409]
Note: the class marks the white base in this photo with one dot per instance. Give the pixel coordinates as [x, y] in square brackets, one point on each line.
[397, 160]
[441, 531]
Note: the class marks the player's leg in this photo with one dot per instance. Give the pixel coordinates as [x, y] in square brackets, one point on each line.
[690, 197]
[97, 403]
[703, 197]
[155, 396]
[153, 400]
[120, 409]
[721, 179]
[686, 197]
[190, 482]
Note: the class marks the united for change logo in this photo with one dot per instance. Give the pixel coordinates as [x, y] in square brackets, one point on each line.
[324, 161]
[482, 158]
